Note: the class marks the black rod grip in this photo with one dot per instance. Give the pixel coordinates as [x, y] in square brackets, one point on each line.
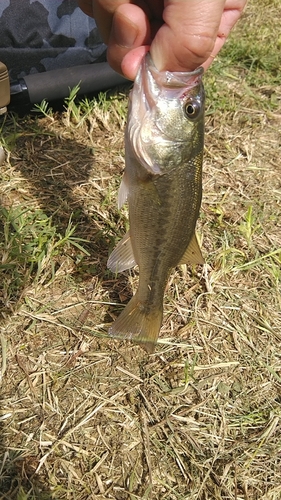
[55, 84]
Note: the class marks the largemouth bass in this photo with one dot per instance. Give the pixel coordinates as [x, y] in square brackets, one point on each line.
[163, 185]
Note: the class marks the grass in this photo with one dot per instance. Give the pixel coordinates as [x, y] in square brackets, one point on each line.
[85, 417]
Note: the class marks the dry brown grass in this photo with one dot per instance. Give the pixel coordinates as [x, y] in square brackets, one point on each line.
[85, 417]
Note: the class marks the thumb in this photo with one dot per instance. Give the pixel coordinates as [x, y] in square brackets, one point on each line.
[188, 35]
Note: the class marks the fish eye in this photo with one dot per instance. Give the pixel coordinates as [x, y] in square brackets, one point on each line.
[191, 109]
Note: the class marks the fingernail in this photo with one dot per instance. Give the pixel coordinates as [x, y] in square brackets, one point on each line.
[124, 31]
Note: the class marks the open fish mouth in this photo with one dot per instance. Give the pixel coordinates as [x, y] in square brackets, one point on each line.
[182, 79]
[164, 92]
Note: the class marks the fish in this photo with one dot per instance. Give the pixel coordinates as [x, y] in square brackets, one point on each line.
[162, 183]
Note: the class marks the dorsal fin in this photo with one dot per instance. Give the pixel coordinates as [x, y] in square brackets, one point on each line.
[193, 254]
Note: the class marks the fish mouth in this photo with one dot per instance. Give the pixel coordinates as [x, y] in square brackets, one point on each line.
[157, 85]
[173, 79]
[166, 86]
[157, 94]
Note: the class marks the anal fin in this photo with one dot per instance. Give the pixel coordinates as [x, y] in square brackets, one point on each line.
[123, 191]
[122, 257]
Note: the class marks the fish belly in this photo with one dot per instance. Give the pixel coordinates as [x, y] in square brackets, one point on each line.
[163, 211]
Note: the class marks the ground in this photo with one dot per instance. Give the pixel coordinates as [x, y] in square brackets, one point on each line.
[85, 417]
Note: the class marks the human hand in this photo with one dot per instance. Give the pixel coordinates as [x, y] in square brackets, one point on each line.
[180, 34]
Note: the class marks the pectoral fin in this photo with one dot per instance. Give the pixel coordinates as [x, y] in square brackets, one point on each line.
[193, 253]
[122, 257]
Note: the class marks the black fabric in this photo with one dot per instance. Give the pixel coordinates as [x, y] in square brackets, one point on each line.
[41, 35]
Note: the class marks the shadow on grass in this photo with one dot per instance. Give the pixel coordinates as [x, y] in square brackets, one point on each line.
[57, 172]
[18, 480]
[54, 176]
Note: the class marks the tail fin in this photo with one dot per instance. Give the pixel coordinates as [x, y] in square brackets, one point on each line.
[135, 324]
